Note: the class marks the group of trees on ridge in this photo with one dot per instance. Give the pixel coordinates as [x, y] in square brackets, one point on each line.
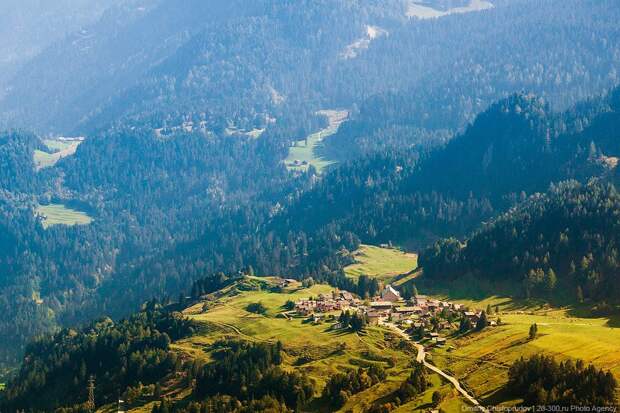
[56, 368]
[249, 371]
[542, 381]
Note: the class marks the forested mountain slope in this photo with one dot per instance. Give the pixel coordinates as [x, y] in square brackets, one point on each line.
[118, 354]
[562, 244]
[190, 111]
[448, 70]
[153, 195]
[392, 197]
[199, 61]
[169, 210]
[157, 60]
[518, 146]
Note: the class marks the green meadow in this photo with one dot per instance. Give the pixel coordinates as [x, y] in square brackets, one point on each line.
[482, 359]
[308, 152]
[382, 263]
[324, 351]
[58, 214]
[56, 150]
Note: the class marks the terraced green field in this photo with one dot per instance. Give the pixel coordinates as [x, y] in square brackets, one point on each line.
[326, 351]
[57, 214]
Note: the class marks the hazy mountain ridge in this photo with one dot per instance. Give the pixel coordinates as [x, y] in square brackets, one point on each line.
[169, 74]
[28, 27]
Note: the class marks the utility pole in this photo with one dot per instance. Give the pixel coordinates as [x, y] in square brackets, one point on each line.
[90, 404]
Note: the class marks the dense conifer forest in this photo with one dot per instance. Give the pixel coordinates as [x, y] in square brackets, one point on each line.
[119, 355]
[561, 244]
[542, 381]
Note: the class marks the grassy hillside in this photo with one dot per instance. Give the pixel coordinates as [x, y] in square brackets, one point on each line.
[312, 348]
[327, 352]
[482, 359]
[56, 151]
[479, 360]
[381, 263]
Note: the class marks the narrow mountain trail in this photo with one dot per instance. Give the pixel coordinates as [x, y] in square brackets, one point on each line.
[421, 358]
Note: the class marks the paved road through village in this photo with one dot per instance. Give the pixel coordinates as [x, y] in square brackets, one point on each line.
[422, 359]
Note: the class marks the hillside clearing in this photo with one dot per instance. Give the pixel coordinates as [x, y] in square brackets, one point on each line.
[381, 263]
[354, 49]
[421, 11]
[58, 149]
[58, 214]
[306, 152]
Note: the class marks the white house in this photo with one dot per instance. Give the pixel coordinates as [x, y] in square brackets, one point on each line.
[390, 294]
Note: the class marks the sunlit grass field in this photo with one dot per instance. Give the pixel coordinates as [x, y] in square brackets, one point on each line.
[328, 351]
[482, 359]
[57, 214]
[308, 150]
[381, 263]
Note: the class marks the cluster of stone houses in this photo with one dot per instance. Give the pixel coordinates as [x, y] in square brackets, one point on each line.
[419, 312]
[338, 301]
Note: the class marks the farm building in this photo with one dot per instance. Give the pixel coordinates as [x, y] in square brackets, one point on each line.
[381, 305]
[420, 300]
[390, 294]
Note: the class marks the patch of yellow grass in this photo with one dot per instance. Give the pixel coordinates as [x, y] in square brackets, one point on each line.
[482, 359]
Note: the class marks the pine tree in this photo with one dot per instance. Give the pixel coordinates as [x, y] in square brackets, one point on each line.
[579, 295]
[483, 322]
[465, 325]
[551, 280]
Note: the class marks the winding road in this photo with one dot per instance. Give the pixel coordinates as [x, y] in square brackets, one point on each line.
[421, 358]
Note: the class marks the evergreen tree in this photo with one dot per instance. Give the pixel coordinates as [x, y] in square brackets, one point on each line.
[482, 322]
